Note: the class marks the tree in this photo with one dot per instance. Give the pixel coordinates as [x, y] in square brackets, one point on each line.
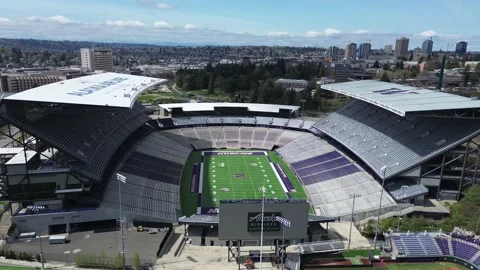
[219, 84]
[136, 262]
[376, 64]
[466, 75]
[384, 77]
[477, 68]
[386, 66]
[421, 59]
[399, 65]
[118, 262]
[211, 86]
[410, 58]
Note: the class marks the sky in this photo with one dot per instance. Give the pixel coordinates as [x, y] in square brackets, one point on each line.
[245, 22]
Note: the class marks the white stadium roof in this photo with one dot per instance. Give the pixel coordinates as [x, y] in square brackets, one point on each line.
[401, 99]
[252, 107]
[103, 89]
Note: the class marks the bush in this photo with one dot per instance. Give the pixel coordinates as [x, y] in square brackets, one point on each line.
[11, 255]
[2, 253]
[11, 229]
[118, 262]
[136, 262]
[37, 258]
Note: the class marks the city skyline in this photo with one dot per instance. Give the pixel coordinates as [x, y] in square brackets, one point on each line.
[242, 23]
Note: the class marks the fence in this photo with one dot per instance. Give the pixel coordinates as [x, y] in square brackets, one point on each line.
[90, 260]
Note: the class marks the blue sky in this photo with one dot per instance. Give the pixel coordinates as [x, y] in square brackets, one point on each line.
[268, 22]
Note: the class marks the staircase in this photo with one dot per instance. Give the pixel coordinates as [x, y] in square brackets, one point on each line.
[450, 247]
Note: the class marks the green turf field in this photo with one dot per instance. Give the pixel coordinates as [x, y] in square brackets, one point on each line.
[250, 170]
[238, 177]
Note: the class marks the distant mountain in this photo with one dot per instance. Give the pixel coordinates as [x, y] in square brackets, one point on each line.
[65, 45]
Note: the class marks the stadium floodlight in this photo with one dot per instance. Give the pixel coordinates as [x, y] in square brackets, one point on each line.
[286, 223]
[123, 179]
[36, 209]
[384, 171]
[351, 223]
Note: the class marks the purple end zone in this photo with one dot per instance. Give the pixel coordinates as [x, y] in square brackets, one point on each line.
[284, 177]
[234, 153]
[195, 178]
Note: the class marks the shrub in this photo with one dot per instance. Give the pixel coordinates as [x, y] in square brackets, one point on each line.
[11, 255]
[118, 262]
[37, 257]
[136, 262]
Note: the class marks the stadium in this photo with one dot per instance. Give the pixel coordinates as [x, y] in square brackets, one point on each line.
[85, 149]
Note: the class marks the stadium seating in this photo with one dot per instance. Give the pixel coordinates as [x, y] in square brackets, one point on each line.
[153, 172]
[91, 134]
[464, 249]
[416, 245]
[444, 245]
[382, 138]
[331, 179]
[228, 120]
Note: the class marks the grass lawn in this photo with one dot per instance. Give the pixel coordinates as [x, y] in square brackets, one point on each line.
[235, 177]
[238, 177]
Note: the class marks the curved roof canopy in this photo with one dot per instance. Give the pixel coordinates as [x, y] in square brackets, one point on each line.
[103, 89]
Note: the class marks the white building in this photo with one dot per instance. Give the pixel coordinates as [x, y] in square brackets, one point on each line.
[97, 59]
[388, 49]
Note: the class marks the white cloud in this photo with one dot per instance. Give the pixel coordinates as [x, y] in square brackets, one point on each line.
[429, 33]
[161, 24]
[61, 19]
[5, 21]
[361, 31]
[127, 23]
[327, 32]
[163, 6]
[190, 26]
[278, 34]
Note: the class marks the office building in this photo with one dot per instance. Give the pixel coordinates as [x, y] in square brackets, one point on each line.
[364, 50]
[350, 51]
[427, 46]
[401, 47]
[461, 48]
[333, 51]
[25, 81]
[417, 51]
[388, 49]
[96, 59]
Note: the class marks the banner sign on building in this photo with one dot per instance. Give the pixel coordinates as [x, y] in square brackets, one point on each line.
[269, 222]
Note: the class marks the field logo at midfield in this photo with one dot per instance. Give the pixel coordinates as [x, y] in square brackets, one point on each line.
[254, 164]
[226, 189]
[240, 175]
[221, 164]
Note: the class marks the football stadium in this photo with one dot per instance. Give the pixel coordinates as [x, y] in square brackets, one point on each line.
[236, 175]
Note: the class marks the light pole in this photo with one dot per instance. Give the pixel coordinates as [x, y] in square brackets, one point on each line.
[285, 223]
[400, 214]
[303, 105]
[36, 209]
[351, 223]
[261, 226]
[383, 170]
[121, 179]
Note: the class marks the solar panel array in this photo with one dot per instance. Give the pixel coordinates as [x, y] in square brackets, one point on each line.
[382, 138]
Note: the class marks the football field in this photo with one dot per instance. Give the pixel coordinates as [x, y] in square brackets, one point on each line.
[239, 175]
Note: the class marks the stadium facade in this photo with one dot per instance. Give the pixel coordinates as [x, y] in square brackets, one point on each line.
[82, 131]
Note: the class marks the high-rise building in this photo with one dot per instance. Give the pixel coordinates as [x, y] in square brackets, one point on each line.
[333, 51]
[401, 47]
[364, 50]
[388, 49]
[20, 82]
[461, 48]
[96, 59]
[351, 51]
[427, 46]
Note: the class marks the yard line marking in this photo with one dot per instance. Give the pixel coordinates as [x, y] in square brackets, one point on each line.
[249, 180]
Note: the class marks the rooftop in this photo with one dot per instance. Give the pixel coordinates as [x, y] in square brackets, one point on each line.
[103, 89]
[21, 158]
[402, 99]
[253, 107]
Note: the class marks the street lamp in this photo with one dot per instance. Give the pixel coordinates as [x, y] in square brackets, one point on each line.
[36, 209]
[122, 179]
[400, 214]
[383, 170]
[351, 223]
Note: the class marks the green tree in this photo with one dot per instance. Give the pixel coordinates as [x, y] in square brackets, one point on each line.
[421, 59]
[477, 68]
[118, 262]
[399, 65]
[376, 64]
[136, 262]
[466, 76]
[386, 66]
[211, 85]
[219, 84]
[384, 77]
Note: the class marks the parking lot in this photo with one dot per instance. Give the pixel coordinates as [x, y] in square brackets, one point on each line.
[91, 242]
